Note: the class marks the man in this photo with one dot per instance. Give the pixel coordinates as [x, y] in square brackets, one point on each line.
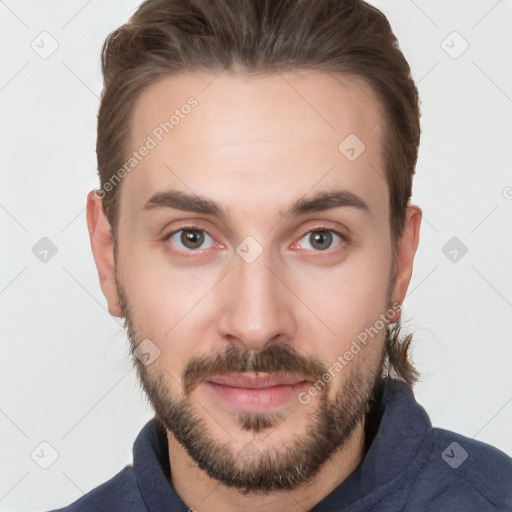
[254, 229]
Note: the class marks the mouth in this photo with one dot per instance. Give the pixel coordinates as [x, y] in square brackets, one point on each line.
[255, 392]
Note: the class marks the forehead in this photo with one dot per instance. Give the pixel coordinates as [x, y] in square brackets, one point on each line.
[237, 137]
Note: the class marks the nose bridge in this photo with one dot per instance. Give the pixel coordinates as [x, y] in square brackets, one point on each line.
[256, 282]
[257, 309]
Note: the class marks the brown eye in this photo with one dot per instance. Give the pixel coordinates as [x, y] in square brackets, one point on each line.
[191, 239]
[320, 240]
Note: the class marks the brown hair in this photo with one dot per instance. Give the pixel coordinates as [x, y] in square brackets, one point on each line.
[346, 37]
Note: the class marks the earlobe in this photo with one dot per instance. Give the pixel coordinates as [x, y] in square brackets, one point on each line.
[102, 244]
[405, 252]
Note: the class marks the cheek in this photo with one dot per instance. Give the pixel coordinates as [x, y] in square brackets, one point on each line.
[167, 303]
[348, 298]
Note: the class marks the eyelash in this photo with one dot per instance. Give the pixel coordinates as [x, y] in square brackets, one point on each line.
[191, 252]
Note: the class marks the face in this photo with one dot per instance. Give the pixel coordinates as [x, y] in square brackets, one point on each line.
[253, 250]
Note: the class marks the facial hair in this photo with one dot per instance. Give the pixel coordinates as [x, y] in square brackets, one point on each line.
[247, 468]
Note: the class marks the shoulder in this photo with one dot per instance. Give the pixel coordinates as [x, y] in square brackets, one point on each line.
[464, 474]
[118, 493]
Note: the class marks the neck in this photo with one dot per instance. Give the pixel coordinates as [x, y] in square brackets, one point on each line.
[204, 494]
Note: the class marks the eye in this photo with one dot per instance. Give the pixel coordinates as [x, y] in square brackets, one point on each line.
[320, 239]
[191, 239]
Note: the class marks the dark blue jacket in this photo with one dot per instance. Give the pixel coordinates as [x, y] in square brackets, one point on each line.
[409, 467]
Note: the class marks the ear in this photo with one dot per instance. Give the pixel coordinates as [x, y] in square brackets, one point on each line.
[404, 258]
[102, 244]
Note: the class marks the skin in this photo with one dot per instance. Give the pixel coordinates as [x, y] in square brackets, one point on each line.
[255, 146]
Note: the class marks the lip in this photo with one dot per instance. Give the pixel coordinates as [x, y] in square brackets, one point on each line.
[257, 381]
[255, 393]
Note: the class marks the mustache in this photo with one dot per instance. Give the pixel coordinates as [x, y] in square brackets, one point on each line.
[276, 360]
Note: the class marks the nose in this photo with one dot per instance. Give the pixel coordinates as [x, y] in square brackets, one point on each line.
[258, 307]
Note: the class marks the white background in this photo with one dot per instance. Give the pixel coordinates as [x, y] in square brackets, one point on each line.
[65, 374]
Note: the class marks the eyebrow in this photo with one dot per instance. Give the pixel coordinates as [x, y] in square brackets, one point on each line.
[186, 202]
[326, 201]
[193, 203]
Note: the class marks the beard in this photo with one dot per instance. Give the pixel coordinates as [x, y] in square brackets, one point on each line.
[249, 469]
